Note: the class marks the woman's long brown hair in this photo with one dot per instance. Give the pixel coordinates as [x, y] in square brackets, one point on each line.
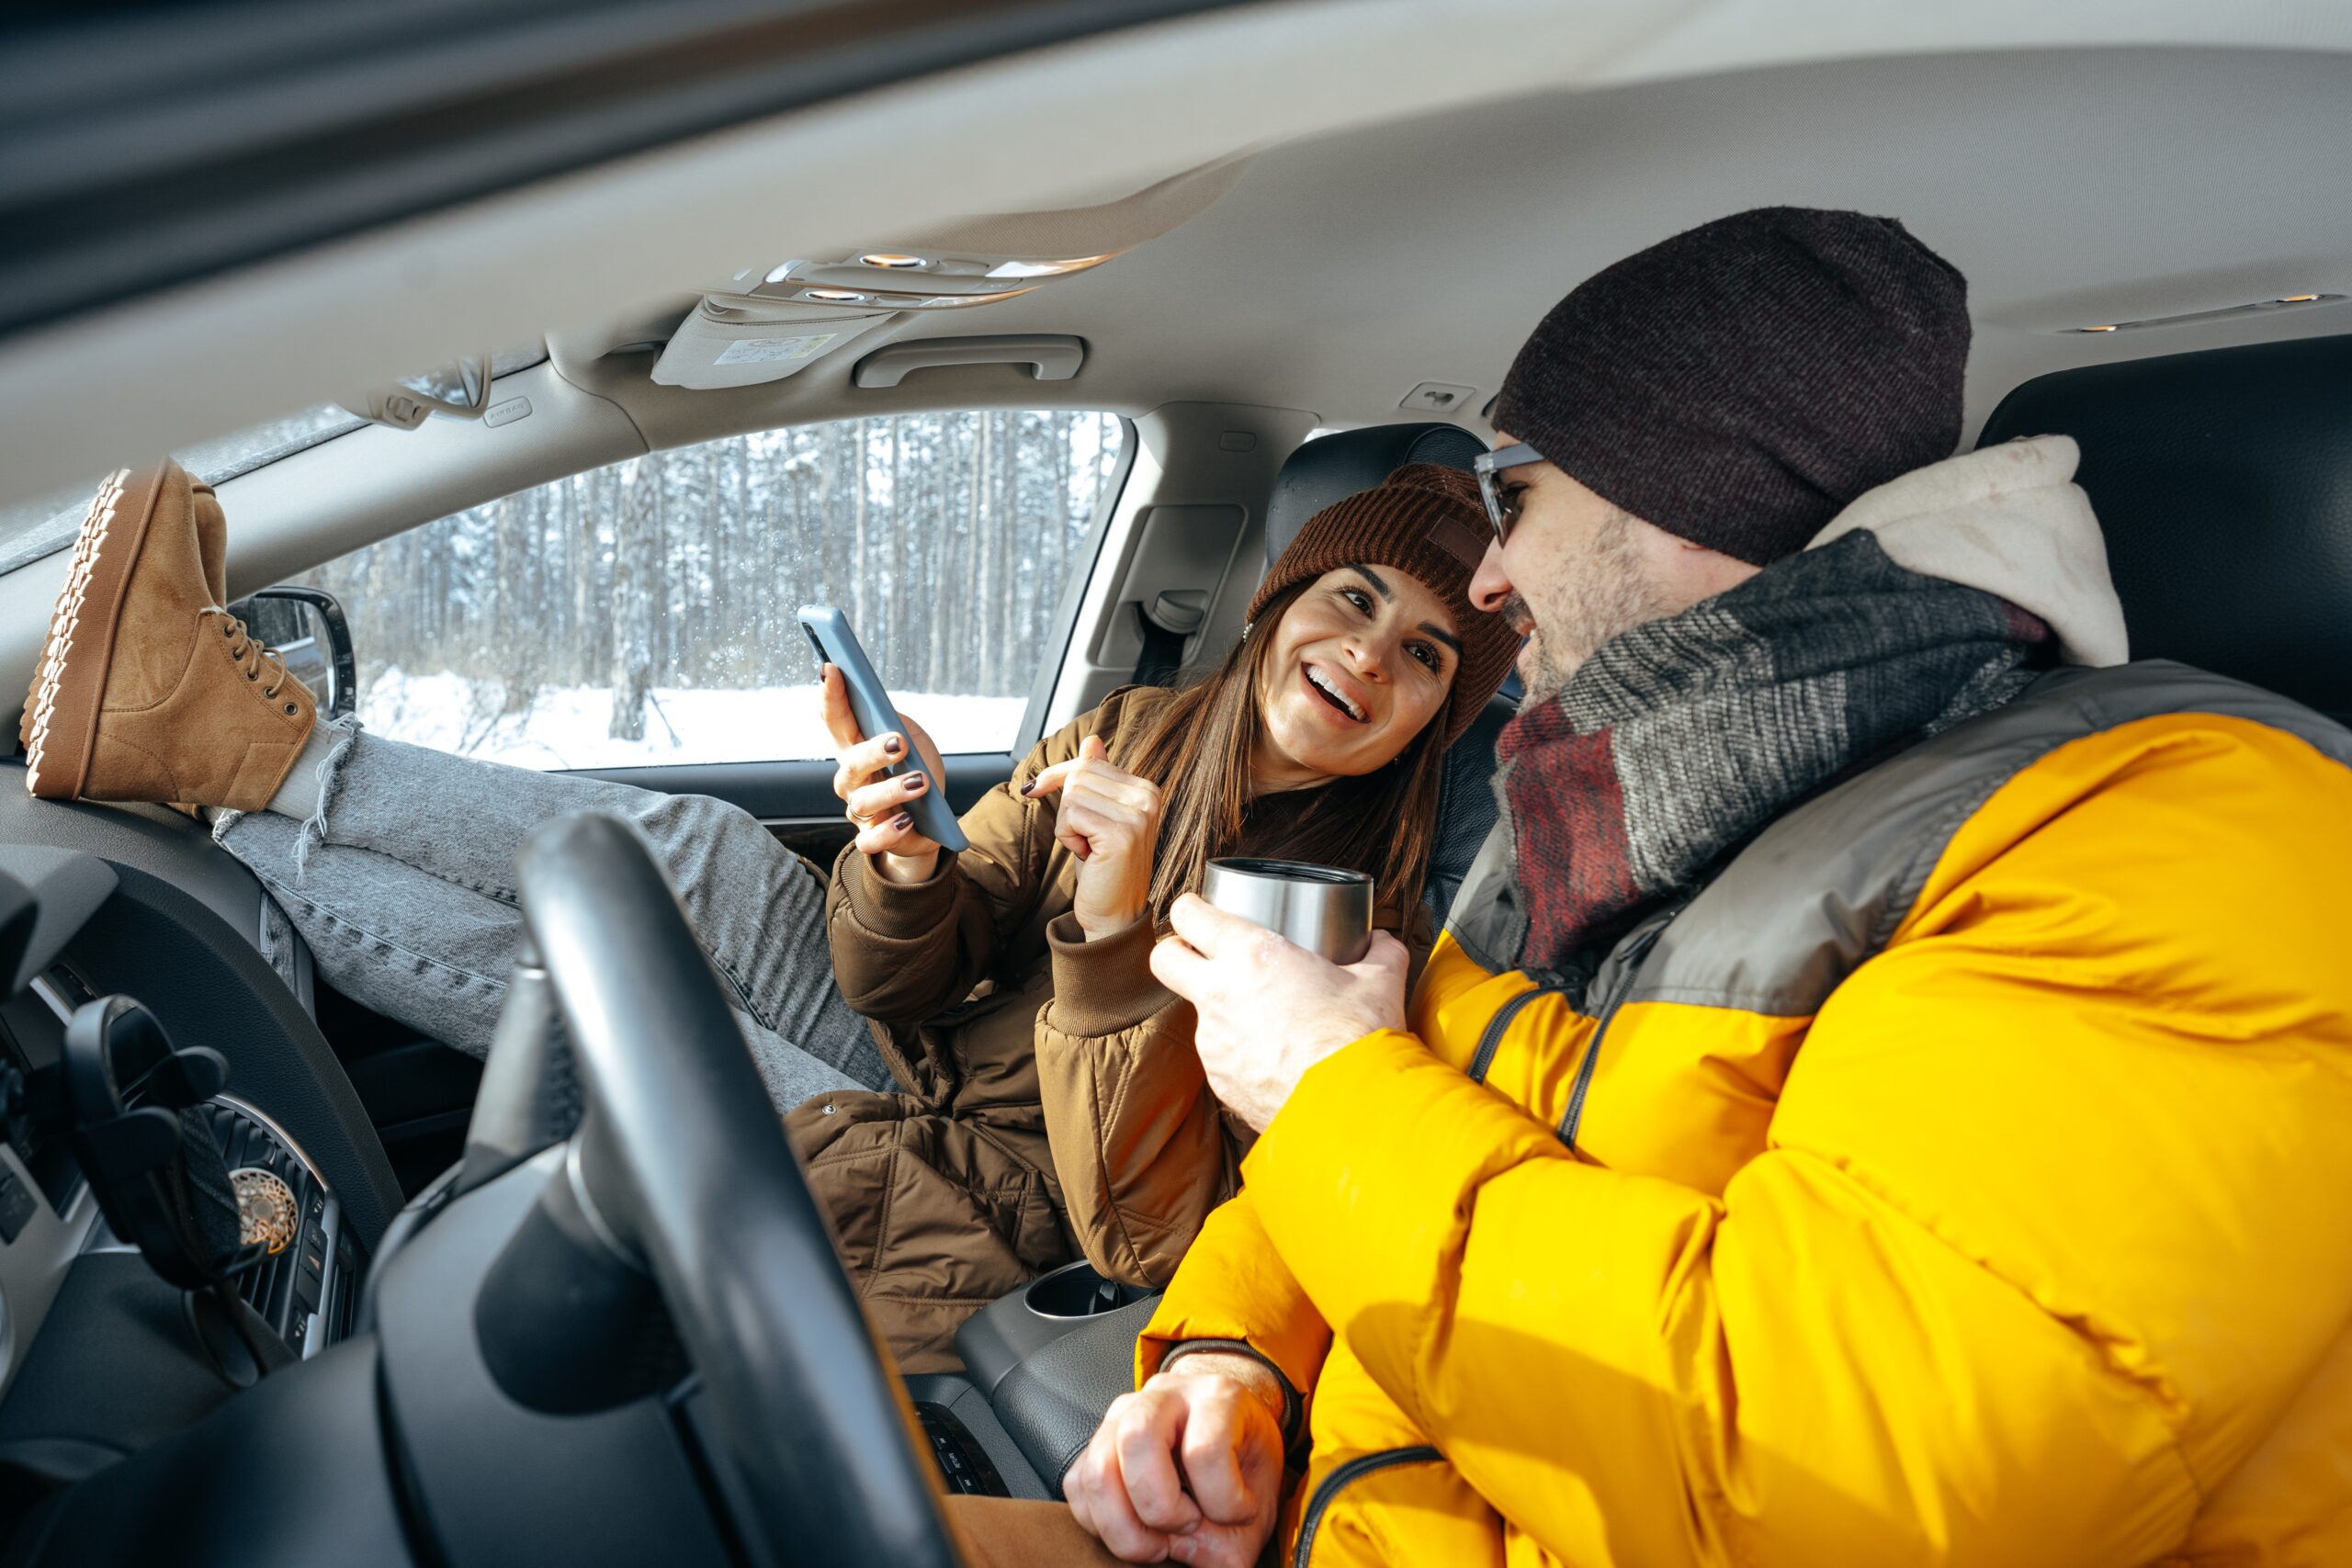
[1199, 751]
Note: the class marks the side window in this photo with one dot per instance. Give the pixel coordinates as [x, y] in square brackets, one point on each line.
[642, 613]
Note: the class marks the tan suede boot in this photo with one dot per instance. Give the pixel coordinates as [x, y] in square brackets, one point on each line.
[212, 554]
[148, 689]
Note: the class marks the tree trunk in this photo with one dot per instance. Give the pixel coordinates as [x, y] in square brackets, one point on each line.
[971, 590]
[892, 655]
[861, 547]
[637, 571]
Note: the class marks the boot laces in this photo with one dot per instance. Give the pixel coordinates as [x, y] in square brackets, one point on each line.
[251, 656]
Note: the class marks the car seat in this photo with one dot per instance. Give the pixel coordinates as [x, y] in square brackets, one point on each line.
[2222, 480]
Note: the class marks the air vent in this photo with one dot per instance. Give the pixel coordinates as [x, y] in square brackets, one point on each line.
[307, 1293]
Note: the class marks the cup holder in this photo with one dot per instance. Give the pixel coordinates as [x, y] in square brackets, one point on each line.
[1069, 1303]
[1076, 1291]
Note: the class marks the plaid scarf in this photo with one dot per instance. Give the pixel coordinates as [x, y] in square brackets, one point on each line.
[1683, 739]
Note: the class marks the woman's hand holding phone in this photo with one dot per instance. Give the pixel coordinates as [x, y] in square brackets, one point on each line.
[876, 804]
[1109, 820]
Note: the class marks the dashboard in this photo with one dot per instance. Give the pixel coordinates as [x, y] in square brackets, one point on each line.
[124, 1421]
[99, 902]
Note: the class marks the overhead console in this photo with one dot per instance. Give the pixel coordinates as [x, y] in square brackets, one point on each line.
[733, 340]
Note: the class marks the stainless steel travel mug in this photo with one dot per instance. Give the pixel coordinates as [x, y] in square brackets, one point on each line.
[1322, 908]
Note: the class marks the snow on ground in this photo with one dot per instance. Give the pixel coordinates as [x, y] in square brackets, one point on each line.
[566, 727]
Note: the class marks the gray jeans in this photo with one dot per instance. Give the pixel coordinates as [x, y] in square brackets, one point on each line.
[403, 886]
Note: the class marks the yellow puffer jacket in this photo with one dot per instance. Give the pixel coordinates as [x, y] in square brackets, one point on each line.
[1965, 1175]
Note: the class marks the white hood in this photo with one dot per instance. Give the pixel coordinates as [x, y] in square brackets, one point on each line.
[2009, 520]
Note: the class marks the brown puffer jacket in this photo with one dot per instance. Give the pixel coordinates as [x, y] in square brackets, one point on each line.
[1056, 1109]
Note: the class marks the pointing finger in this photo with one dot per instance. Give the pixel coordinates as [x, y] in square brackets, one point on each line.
[1051, 779]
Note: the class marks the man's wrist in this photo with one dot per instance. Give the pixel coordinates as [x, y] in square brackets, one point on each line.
[1242, 1368]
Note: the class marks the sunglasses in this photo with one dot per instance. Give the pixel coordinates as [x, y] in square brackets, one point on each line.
[1487, 465]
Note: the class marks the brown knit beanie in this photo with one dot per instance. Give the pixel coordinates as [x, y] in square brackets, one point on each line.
[1739, 384]
[1428, 520]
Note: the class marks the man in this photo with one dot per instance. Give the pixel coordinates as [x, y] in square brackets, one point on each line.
[1880, 1097]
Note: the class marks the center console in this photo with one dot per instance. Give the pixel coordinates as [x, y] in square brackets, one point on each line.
[1042, 1366]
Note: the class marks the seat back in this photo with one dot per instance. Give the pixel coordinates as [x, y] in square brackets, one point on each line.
[2222, 480]
[1327, 469]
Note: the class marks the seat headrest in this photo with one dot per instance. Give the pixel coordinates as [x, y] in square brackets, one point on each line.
[1332, 467]
[2223, 482]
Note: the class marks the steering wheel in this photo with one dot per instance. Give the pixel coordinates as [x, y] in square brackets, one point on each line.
[698, 1175]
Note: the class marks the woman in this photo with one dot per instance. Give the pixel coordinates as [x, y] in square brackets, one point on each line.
[1047, 1103]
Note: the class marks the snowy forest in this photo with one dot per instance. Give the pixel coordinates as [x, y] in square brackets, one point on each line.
[599, 619]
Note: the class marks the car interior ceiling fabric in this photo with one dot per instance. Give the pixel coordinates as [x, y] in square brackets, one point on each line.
[2222, 480]
[1332, 466]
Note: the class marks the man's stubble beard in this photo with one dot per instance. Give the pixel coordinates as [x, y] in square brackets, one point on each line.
[1603, 594]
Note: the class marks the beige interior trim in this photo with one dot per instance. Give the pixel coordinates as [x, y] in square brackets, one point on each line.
[1211, 463]
[339, 495]
[1092, 231]
[1019, 134]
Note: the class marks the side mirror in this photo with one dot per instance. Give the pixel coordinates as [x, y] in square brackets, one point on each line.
[306, 626]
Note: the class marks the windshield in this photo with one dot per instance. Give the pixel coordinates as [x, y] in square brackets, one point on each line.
[32, 529]
[42, 526]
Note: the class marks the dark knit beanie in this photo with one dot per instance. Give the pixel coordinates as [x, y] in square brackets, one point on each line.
[1428, 520]
[1739, 384]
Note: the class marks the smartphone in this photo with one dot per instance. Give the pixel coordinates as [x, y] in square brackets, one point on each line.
[870, 705]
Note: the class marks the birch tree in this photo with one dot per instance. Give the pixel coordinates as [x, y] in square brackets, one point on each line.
[637, 571]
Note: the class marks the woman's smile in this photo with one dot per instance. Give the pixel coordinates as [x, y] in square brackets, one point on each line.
[1345, 697]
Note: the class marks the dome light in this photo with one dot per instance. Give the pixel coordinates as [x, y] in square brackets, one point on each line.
[834, 296]
[894, 261]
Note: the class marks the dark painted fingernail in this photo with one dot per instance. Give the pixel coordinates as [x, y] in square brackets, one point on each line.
[903, 819]
[893, 745]
[1029, 789]
[913, 783]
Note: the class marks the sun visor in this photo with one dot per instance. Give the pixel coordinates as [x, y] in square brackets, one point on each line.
[733, 341]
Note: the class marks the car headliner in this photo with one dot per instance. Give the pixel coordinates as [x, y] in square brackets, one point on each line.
[1424, 185]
